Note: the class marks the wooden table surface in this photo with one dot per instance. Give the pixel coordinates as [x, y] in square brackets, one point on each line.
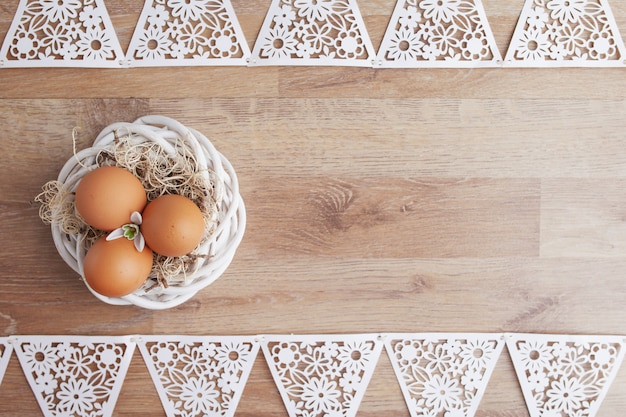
[415, 200]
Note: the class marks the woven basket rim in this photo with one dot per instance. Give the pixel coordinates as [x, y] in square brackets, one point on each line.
[220, 248]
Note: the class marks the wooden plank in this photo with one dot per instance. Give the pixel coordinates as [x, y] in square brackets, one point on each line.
[395, 218]
[583, 218]
[411, 137]
[305, 294]
[145, 82]
[484, 83]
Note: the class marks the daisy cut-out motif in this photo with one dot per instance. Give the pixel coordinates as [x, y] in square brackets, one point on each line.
[199, 376]
[438, 33]
[443, 375]
[558, 33]
[563, 376]
[75, 376]
[313, 32]
[322, 375]
[61, 33]
[187, 32]
[6, 348]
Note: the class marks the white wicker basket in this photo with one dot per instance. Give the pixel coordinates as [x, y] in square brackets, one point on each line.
[223, 243]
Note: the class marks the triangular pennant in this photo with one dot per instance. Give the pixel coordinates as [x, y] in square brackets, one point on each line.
[199, 375]
[69, 33]
[564, 375]
[438, 34]
[187, 33]
[75, 375]
[443, 374]
[557, 33]
[6, 348]
[322, 375]
[313, 32]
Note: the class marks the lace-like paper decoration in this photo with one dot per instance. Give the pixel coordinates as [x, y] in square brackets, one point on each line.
[431, 33]
[6, 348]
[187, 32]
[61, 33]
[565, 376]
[313, 32]
[443, 375]
[199, 376]
[75, 375]
[322, 375]
[566, 33]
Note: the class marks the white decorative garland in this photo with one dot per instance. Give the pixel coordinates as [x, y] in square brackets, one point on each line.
[420, 34]
[439, 374]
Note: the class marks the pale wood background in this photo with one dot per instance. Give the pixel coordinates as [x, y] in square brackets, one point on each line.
[488, 200]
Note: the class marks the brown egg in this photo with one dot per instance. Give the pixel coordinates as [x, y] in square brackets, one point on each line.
[107, 196]
[172, 225]
[115, 268]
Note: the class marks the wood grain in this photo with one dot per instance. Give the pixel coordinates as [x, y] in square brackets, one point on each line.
[485, 200]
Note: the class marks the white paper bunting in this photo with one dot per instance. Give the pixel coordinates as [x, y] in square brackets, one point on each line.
[199, 376]
[560, 33]
[438, 34]
[439, 374]
[69, 33]
[565, 375]
[420, 34]
[75, 375]
[443, 374]
[322, 375]
[185, 33]
[310, 32]
[6, 348]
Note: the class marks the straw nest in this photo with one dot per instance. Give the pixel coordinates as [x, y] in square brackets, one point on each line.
[168, 158]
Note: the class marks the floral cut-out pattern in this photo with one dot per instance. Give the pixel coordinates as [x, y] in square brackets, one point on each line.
[430, 33]
[322, 375]
[75, 376]
[443, 375]
[6, 348]
[313, 32]
[199, 376]
[420, 33]
[564, 376]
[187, 32]
[566, 33]
[439, 374]
[61, 33]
